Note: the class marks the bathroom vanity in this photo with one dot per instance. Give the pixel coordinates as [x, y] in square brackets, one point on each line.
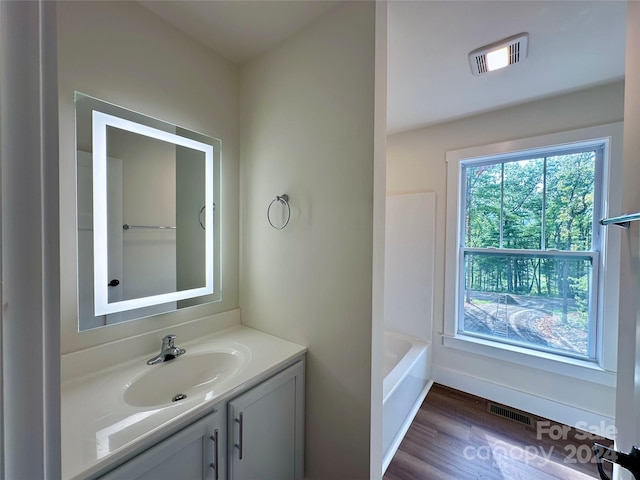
[239, 413]
[226, 406]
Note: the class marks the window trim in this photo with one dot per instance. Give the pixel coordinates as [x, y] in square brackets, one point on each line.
[607, 268]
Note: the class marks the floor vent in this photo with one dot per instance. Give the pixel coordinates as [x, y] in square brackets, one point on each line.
[509, 414]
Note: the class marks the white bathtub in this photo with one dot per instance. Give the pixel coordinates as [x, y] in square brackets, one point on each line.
[407, 379]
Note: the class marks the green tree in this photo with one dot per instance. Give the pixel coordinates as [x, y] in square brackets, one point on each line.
[515, 198]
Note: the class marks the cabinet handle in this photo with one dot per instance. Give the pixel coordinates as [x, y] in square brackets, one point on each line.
[239, 444]
[214, 465]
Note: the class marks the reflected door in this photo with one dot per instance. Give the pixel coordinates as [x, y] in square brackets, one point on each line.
[115, 238]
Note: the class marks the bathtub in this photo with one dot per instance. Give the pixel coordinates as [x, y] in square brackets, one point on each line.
[407, 379]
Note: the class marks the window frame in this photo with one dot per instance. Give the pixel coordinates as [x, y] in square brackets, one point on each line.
[605, 273]
[598, 147]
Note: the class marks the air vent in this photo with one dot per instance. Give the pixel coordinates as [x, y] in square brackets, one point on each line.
[500, 54]
[514, 53]
[481, 64]
[509, 413]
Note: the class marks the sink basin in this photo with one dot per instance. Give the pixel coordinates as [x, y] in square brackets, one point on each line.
[182, 377]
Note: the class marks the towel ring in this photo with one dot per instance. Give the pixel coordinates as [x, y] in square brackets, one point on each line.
[201, 217]
[284, 200]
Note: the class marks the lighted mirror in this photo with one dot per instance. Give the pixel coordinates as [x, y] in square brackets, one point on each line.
[148, 197]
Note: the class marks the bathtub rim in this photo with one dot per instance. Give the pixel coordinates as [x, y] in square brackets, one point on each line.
[397, 374]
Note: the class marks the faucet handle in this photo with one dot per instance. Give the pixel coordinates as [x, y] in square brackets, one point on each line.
[169, 341]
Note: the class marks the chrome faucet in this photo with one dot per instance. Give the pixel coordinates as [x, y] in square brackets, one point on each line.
[168, 351]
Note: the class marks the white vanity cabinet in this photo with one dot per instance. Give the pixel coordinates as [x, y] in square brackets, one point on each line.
[198, 452]
[256, 435]
[266, 429]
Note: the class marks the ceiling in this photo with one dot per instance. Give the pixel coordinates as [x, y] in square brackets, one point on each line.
[239, 29]
[572, 45]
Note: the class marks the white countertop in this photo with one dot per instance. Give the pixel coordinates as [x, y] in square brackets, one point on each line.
[99, 428]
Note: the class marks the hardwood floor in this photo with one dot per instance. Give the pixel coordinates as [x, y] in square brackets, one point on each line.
[454, 437]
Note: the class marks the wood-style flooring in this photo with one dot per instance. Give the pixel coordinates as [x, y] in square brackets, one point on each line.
[454, 437]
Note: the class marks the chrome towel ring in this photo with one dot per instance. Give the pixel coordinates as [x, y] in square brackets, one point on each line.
[201, 216]
[284, 201]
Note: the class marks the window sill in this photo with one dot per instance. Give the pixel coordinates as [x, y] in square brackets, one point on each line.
[570, 367]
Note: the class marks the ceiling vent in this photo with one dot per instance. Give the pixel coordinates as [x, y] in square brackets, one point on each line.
[500, 54]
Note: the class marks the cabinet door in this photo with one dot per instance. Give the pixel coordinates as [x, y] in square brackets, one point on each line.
[266, 429]
[194, 453]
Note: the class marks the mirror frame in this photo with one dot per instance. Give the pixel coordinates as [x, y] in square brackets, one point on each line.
[101, 121]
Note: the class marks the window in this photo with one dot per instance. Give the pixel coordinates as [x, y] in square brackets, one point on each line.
[528, 256]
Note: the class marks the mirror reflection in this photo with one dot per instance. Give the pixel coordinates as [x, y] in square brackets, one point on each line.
[147, 198]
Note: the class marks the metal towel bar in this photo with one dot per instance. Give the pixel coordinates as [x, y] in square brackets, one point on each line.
[126, 226]
[621, 221]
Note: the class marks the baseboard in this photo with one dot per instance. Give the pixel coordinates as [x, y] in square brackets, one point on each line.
[543, 407]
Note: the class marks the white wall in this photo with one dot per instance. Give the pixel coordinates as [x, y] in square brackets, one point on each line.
[416, 162]
[307, 129]
[408, 271]
[124, 54]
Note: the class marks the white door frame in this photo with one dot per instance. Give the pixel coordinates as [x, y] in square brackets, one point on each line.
[30, 274]
[628, 388]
